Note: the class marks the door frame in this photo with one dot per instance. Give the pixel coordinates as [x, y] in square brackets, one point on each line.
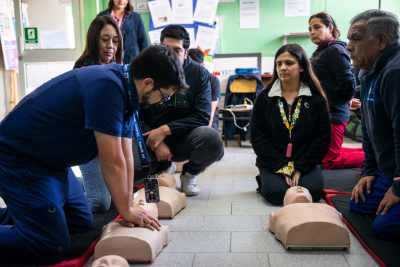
[45, 55]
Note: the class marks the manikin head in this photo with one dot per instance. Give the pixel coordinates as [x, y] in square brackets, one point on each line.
[297, 194]
[370, 33]
[157, 74]
[176, 37]
[110, 261]
[322, 27]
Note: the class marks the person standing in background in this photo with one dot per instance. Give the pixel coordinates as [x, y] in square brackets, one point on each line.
[198, 57]
[131, 26]
[331, 64]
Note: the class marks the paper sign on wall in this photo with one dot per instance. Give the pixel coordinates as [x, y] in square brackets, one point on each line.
[182, 11]
[8, 39]
[206, 39]
[249, 14]
[161, 13]
[205, 11]
[297, 8]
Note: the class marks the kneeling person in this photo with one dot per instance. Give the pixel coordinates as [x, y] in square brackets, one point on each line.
[177, 130]
[66, 122]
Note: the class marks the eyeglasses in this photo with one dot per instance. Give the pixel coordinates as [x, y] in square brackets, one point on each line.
[163, 98]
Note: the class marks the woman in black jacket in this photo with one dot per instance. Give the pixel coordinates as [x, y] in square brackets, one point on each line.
[290, 128]
[331, 64]
[131, 25]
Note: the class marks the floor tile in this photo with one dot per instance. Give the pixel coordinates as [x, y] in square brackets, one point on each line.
[232, 223]
[184, 223]
[231, 259]
[215, 184]
[170, 260]
[253, 208]
[300, 260]
[240, 169]
[245, 185]
[236, 176]
[236, 162]
[255, 242]
[234, 195]
[207, 208]
[361, 261]
[199, 242]
[225, 169]
[203, 197]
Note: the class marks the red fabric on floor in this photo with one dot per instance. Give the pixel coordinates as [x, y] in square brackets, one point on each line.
[82, 260]
[340, 157]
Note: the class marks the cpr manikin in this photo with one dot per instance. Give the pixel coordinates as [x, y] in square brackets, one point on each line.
[301, 224]
[171, 201]
[133, 244]
[166, 179]
[110, 261]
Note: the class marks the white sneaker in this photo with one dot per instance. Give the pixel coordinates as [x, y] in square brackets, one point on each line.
[171, 170]
[188, 184]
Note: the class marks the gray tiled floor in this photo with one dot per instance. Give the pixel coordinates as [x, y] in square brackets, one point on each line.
[227, 224]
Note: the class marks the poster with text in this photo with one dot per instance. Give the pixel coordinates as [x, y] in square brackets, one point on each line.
[8, 39]
[205, 11]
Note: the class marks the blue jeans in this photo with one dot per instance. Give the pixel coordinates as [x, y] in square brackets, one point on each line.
[386, 226]
[95, 188]
[43, 207]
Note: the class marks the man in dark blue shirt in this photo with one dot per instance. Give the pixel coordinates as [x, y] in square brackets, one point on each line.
[65, 122]
[374, 47]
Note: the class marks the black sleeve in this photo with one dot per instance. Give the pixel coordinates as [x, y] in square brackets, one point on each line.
[141, 34]
[215, 88]
[84, 62]
[202, 107]
[339, 64]
[319, 147]
[265, 151]
[144, 126]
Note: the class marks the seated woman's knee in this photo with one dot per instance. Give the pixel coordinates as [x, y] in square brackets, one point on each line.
[273, 195]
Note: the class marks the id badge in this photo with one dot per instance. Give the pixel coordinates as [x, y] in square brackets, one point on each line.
[151, 190]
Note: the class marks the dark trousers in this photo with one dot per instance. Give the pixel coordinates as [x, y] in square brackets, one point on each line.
[202, 147]
[274, 186]
[215, 127]
[388, 225]
[43, 207]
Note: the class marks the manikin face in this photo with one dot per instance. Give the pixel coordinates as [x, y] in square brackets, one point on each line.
[177, 46]
[120, 4]
[288, 67]
[363, 50]
[319, 33]
[108, 43]
[110, 261]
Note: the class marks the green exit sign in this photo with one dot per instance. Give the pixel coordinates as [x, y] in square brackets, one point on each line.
[31, 36]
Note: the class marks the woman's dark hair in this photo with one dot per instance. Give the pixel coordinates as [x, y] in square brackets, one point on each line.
[176, 32]
[93, 38]
[327, 20]
[160, 63]
[128, 7]
[196, 55]
[307, 76]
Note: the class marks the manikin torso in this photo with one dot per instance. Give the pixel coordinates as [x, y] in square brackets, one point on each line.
[301, 224]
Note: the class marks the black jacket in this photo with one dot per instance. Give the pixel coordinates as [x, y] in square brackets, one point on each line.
[183, 112]
[331, 64]
[311, 135]
[84, 62]
[133, 33]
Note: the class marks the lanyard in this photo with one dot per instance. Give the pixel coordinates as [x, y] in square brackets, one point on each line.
[295, 115]
[144, 159]
[292, 123]
[120, 20]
